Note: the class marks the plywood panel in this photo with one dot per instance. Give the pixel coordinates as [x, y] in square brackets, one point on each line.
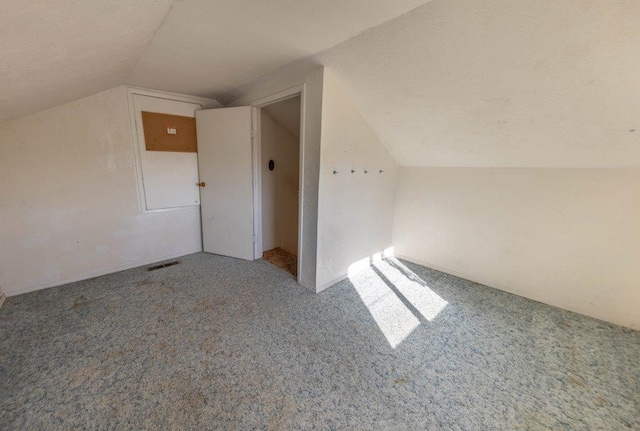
[164, 132]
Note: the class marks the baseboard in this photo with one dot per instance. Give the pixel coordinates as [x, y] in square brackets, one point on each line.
[105, 271]
[305, 285]
[2, 299]
[590, 313]
[331, 283]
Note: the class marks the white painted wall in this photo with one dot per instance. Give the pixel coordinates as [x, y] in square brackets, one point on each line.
[355, 211]
[354, 217]
[70, 207]
[287, 114]
[269, 181]
[311, 76]
[566, 237]
[500, 83]
[280, 186]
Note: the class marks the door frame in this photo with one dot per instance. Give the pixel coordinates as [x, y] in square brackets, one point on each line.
[299, 90]
[133, 91]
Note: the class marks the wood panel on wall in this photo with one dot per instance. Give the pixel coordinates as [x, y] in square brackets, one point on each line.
[157, 137]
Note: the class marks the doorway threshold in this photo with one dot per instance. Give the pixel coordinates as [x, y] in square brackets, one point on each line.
[282, 259]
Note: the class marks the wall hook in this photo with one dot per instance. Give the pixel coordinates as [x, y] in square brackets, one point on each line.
[352, 171]
[381, 171]
[335, 172]
[366, 172]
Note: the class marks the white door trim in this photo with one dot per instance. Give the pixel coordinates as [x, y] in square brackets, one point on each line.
[256, 151]
[299, 90]
[131, 92]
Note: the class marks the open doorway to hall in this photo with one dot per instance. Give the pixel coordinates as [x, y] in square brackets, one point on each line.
[280, 182]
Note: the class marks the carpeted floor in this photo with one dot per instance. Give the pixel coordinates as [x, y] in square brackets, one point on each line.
[220, 343]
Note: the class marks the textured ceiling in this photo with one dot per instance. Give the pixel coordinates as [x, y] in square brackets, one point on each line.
[501, 83]
[208, 47]
[56, 51]
[496, 83]
[287, 114]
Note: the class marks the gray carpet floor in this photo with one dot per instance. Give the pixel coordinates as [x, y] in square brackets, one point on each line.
[219, 343]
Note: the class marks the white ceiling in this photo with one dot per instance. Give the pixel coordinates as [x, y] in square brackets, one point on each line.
[287, 114]
[55, 51]
[501, 83]
[208, 47]
[508, 83]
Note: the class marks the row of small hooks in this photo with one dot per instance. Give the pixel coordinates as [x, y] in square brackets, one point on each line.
[380, 171]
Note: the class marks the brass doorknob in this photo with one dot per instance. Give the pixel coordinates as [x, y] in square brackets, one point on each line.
[201, 184]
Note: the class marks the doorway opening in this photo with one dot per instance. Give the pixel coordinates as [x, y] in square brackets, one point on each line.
[279, 158]
[230, 167]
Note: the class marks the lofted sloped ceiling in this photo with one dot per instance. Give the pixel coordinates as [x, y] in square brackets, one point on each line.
[491, 83]
[55, 51]
[287, 114]
[208, 47]
[499, 83]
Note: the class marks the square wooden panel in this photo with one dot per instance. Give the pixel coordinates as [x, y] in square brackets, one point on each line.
[157, 136]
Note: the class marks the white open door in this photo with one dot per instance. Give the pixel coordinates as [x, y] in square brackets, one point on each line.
[225, 165]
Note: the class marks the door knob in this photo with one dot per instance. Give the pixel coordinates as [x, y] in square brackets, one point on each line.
[201, 184]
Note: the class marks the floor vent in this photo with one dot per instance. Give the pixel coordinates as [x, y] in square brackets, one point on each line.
[163, 265]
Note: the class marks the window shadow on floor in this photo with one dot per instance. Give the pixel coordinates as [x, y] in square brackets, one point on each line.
[398, 300]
